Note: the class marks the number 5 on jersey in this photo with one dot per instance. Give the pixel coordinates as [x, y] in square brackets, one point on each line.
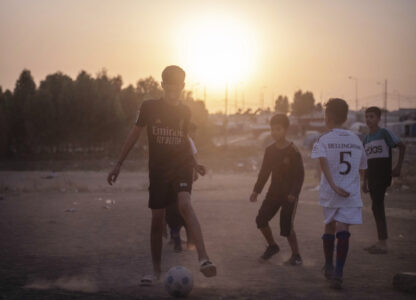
[343, 161]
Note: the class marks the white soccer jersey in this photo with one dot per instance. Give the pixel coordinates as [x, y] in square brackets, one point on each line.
[346, 156]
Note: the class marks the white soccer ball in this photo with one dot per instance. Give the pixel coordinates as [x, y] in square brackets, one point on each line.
[179, 281]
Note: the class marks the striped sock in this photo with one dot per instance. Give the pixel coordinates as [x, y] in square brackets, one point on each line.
[342, 251]
[328, 244]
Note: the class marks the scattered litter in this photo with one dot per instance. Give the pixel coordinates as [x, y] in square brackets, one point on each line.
[70, 209]
[106, 206]
[50, 176]
[405, 187]
[100, 199]
[75, 202]
[401, 236]
[63, 190]
[108, 201]
[240, 165]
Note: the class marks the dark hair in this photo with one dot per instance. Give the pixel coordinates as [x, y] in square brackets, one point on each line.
[173, 74]
[337, 110]
[280, 119]
[374, 109]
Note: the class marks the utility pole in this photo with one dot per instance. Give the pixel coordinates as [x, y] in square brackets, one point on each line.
[226, 116]
[356, 90]
[385, 103]
[235, 98]
[226, 99]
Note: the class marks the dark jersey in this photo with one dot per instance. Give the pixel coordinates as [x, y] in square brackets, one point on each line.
[287, 171]
[378, 149]
[167, 129]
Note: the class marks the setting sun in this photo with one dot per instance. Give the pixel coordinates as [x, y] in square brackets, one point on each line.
[217, 50]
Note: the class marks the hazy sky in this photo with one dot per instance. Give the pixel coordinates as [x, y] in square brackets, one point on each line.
[271, 47]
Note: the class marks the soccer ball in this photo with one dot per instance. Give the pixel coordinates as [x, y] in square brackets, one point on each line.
[178, 281]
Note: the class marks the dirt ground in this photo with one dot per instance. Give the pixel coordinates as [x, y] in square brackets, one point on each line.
[71, 236]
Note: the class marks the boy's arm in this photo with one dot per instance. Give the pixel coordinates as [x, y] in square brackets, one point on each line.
[402, 149]
[325, 169]
[394, 141]
[365, 180]
[262, 178]
[299, 177]
[200, 169]
[128, 144]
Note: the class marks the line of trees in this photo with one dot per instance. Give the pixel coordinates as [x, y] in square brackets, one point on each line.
[84, 113]
[303, 103]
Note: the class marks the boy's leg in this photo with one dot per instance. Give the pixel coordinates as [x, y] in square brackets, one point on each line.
[266, 212]
[377, 194]
[175, 222]
[293, 243]
[328, 243]
[343, 236]
[192, 224]
[287, 218]
[268, 235]
[158, 216]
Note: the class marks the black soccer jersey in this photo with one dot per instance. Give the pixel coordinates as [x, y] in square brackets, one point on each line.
[167, 129]
[287, 171]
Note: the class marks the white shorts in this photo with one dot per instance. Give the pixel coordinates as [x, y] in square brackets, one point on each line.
[347, 215]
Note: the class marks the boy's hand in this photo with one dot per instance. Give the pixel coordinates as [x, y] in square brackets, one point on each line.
[200, 169]
[195, 177]
[341, 192]
[396, 172]
[112, 176]
[364, 187]
[253, 197]
[291, 198]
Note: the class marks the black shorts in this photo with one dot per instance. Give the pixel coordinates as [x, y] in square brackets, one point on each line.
[163, 193]
[270, 207]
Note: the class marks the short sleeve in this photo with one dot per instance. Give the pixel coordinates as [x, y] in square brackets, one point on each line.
[391, 139]
[143, 115]
[319, 150]
[363, 161]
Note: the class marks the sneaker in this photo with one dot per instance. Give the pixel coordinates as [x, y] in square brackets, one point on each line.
[270, 251]
[294, 260]
[328, 271]
[336, 283]
[207, 268]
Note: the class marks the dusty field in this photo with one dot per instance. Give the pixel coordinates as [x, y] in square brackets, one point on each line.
[62, 239]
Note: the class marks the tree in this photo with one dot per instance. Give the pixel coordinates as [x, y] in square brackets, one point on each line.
[149, 87]
[303, 103]
[5, 125]
[282, 104]
[23, 94]
[318, 107]
[50, 112]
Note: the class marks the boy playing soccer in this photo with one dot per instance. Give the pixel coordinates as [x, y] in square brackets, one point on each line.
[378, 144]
[284, 162]
[341, 155]
[171, 166]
